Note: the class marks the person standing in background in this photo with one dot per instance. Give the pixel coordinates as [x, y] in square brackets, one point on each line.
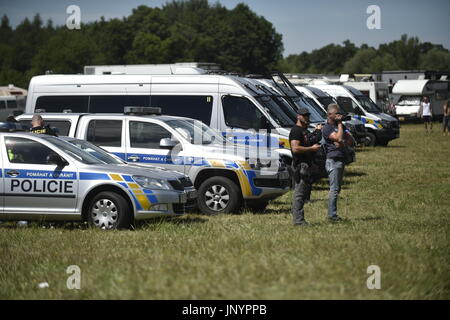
[446, 119]
[426, 113]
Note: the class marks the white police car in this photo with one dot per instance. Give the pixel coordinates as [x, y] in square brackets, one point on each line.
[45, 178]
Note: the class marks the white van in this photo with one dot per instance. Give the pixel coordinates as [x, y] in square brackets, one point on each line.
[323, 99]
[411, 93]
[11, 105]
[226, 103]
[381, 127]
[375, 90]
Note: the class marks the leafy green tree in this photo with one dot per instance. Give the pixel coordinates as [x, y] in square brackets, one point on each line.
[75, 49]
[435, 59]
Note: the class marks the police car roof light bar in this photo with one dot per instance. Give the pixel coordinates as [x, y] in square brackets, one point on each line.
[136, 110]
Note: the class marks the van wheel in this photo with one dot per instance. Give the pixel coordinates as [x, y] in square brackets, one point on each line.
[219, 195]
[109, 210]
[370, 139]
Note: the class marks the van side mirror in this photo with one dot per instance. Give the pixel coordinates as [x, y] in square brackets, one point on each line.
[167, 143]
[56, 159]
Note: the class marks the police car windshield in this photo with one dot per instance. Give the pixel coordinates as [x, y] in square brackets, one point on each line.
[368, 104]
[97, 152]
[74, 152]
[196, 132]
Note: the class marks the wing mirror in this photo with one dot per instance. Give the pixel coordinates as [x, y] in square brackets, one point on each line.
[167, 143]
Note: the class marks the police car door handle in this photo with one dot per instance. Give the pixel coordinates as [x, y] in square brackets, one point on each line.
[13, 173]
[133, 158]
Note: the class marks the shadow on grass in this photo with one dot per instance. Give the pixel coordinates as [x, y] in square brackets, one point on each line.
[354, 174]
[46, 225]
[173, 220]
[369, 218]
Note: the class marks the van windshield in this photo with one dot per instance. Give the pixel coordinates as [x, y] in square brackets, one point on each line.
[279, 110]
[300, 102]
[368, 104]
[196, 132]
[316, 107]
[325, 101]
[409, 101]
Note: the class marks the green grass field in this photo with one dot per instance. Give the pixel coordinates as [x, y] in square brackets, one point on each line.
[396, 200]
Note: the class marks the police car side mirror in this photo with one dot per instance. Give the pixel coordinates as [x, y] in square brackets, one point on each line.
[56, 159]
[167, 143]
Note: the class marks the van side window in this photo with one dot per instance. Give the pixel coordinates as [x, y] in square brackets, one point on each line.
[147, 135]
[196, 107]
[241, 113]
[61, 127]
[105, 133]
[12, 104]
[22, 150]
[60, 103]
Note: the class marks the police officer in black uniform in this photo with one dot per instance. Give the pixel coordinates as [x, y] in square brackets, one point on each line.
[303, 146]
[37, 124]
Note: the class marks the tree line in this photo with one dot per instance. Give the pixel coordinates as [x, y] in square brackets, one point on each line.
[182, 31]
[407, 53]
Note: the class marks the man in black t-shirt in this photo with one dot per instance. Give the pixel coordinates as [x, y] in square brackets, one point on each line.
[303, 146]
[37, 124]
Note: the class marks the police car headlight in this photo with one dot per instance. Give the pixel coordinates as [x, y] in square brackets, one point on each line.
[151, 183]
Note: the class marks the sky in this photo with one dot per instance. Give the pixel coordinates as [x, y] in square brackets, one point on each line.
[304, 24]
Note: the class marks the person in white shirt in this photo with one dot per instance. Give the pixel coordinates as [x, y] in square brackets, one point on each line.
[426, 113]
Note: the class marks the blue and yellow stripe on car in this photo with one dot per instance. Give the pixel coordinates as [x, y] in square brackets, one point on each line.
[244, 173]
[284, 143]
[369, 121]
[143, 198]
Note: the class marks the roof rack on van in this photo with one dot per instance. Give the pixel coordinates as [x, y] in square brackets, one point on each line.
[137, 110]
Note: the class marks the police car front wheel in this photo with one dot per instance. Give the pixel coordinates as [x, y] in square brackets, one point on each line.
[219, 195]
[109, 210]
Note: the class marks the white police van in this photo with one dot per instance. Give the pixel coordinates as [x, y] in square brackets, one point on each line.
[223, 102]
[381, 127]
[45, 178]
[224, 173]
[323, 99]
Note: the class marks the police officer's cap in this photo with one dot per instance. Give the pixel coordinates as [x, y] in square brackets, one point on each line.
[303, 111]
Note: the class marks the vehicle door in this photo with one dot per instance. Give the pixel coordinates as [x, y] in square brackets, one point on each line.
[244, 123]
[144, 145]
[33, 183]
[108, 133]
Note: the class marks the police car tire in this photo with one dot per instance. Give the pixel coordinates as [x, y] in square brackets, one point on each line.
[235, 197]
[123, 210]
[370, 139]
